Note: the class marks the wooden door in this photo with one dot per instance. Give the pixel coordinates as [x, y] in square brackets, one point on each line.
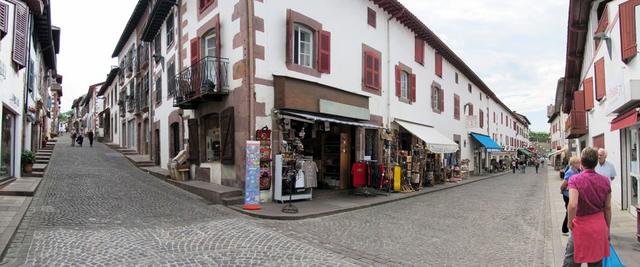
[345, 160]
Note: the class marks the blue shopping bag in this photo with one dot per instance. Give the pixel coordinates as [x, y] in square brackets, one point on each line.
[612, 260]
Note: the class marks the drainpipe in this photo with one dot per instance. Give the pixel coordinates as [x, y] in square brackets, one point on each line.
[251, 68]
[389, 66]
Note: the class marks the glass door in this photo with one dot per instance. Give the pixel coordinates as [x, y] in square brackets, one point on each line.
[6, 145]
[634, 172]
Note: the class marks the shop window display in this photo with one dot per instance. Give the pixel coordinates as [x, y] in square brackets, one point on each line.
[6, 158]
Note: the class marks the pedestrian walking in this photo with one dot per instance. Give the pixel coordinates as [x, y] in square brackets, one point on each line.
[574, 168]
[73, 138]
[513, 165]
[537, 165]
[604, 167]
[589, 212]
[90, 136]
[80, 139]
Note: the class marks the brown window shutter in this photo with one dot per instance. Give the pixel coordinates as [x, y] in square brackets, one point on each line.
[194, 148]
[587, 86]
[413, 88]
[419, 50]
[218, 38]
[600, 81]
[371, 17]
[441, 100]
[627, 13]
[456, 107]
[20, 35]
[325, 52]
[398, 85]
[365, 69]
[4, 19]
[195, 50]
[578, 101]
[376, 70]
[227, 132]
[481, 115]
[470, 109]
[434, 105]
[438, 59]
[289, 45]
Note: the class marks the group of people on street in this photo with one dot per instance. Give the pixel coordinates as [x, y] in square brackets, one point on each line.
[586, 191]
[78, 137]
[521, 164]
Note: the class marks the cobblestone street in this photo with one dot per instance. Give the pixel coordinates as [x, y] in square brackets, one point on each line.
[94, 208]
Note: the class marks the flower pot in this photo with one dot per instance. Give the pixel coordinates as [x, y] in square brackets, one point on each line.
[27, 167]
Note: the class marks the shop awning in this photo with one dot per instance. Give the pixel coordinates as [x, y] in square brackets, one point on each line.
[624, 120]
[436, 142]
[486, 142]
[525, 152]
[318, 117]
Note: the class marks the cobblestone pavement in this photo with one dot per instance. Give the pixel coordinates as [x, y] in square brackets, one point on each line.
[96, 209]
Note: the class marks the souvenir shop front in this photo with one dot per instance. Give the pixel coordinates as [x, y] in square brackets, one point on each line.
[319, 132]
[484, 146]
[418, 155]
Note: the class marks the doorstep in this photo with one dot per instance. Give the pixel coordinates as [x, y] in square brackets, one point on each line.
[342, 201]
[214, 193]
[25, 186]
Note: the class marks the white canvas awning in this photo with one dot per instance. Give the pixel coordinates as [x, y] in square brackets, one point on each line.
[436, 142]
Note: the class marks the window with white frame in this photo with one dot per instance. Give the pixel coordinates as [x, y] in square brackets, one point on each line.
[404, 85]
[209, 44]
[303, 46]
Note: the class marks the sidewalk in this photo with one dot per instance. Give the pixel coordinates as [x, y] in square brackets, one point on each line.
[623, 228]
[326, 203]
[12, 210]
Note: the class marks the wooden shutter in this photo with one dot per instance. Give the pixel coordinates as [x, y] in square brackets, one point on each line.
[371, 17]
[627, 13]
[196, 81]
[587, 86]
[600, 82]
[441, 100]
[324, 51]
[578, 101]
[194, 148]
[419, 50]
[20, 35]
[227, 133]
[376, 70]
[481, 115]
[398, 84]
[438, 59]
[289, 41]
[470, 109]
[456, 108]
[412, 92]
[434, 105]
[195, 50]
[4, 19]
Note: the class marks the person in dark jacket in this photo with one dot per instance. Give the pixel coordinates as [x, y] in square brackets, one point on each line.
[90, 136]
[80, 139]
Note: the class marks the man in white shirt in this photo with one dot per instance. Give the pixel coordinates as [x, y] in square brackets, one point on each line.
[604, 167]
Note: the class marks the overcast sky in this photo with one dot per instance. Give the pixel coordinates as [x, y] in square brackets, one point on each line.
[516, 47]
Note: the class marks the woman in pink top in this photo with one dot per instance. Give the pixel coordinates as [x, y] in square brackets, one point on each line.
[589, 213]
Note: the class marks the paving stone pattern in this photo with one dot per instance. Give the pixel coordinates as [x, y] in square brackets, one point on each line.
[94, 208]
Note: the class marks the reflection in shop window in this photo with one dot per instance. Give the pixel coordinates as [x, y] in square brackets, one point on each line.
[212, 137]
[6, 149]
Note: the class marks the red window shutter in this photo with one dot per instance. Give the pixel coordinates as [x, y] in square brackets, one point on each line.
[412, 93]
[325, 52]
[4, 19]
[376, 70]
[289, 41]
[20, 36]
[419, 50]
[578, 101]
[195, 50]
[627, 13]
[398, 85]
[218, 38]
[456, 107]
[600, 82]
[441, 101]
[371, 17]
[434, 105]
[438, 59]
[481, 115]
[587, 86]
[470, 109]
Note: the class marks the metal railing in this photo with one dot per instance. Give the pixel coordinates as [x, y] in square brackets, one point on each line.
[207, 76]
[131, 103]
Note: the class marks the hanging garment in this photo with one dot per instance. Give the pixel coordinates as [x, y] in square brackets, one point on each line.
[359, 174]
[310, 174]
[300, 179]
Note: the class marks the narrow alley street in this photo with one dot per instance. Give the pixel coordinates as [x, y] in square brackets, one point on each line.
[95, 208]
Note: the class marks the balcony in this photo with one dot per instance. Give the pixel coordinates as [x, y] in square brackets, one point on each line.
[576, 124]
[144, 101]
[205, 80]
[131, 104]
[143, 57]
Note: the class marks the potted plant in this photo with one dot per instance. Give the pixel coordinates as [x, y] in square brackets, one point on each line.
[27, 160]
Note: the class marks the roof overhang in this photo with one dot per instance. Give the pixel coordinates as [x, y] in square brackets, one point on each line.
[577, 28]
[45, 37]
[36, 6]
[110, 78]
[157, 16]
[138, 11]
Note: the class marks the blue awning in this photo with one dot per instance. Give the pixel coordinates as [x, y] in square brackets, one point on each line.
[486, 142]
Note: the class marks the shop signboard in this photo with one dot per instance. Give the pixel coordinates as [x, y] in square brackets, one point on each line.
[252, 176]
[344, 110]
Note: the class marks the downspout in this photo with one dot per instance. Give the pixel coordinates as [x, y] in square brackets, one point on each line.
[389, 66]
[251, 68]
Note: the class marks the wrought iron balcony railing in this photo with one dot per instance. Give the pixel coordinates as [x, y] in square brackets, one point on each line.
[206, 78]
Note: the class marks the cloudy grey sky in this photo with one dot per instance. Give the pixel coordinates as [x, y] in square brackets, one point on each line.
[517, 47]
